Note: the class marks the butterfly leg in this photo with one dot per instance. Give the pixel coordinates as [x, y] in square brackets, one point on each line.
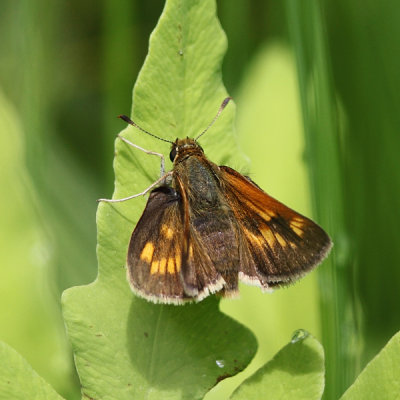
[162, 167]
[158, 181]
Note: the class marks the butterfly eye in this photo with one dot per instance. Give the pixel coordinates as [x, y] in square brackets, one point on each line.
[172, 155]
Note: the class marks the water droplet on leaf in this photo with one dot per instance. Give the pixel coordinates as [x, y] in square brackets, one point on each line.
[299, 335]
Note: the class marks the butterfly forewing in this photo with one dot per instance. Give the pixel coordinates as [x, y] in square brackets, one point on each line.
[277, 244]
[167, 261]
[156, 249]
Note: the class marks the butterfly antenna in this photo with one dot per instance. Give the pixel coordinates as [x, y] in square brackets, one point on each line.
[130, 122]
[221, 107]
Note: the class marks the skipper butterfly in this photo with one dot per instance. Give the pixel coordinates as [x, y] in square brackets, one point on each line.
[205, 227]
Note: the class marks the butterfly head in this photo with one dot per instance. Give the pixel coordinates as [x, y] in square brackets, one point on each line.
[184, 148]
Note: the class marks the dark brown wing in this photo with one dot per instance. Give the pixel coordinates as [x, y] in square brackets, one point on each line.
[155, 251]
[165, 264]
[277, 245]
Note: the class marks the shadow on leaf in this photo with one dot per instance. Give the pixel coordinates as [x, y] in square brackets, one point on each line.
[188, 348]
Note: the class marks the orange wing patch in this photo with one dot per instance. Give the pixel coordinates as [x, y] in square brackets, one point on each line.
[281, 240]
[296, 224]
[254, 239]
[269, 237]
[147, 252]
[190, 251]
[171, 266]
[154, 267]
[267, 215]
[167, 232]
[178, 261]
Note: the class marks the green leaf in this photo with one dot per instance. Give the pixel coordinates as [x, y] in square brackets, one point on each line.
[126, 347]
[19, 381]
[381, 377]
[296, 372]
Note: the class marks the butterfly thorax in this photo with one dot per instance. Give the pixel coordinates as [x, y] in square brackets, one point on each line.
[197, 174]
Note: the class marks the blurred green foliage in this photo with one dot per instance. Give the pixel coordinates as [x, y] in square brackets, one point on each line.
[328, 69]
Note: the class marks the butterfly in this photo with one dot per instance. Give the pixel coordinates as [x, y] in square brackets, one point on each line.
[206, 227]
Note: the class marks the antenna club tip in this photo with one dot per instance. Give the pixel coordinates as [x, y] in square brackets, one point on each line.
[125, 118]
[227, 100]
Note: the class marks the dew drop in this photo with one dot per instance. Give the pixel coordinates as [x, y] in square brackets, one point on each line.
[299, 335]
[220, 363]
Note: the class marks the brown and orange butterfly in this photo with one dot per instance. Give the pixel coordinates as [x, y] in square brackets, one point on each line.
[205, 227]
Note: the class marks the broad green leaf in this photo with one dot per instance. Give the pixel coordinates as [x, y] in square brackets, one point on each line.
[19, 381]
[296, 372]
[381, 377]
[126, 347]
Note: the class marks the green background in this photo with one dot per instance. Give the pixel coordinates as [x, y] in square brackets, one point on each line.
[316, 86]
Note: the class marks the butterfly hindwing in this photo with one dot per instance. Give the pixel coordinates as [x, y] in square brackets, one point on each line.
[277, 245]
